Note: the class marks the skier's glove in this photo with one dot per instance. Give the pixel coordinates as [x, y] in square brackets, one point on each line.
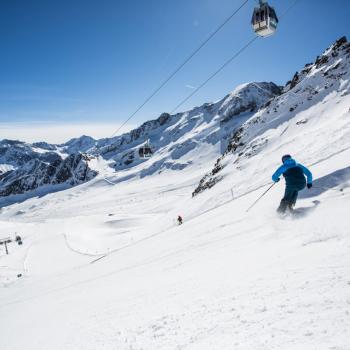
[277, 180]
[309, 185]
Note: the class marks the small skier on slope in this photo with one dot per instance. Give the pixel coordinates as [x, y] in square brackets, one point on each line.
[294, 175]
[179, 220]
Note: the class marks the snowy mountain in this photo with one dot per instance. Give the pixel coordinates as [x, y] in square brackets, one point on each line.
[76, 145]
[301, 107]
[71, 171]
[18, 153]
[27, 167]
[174, 139]
[104, 265]
[238, 126]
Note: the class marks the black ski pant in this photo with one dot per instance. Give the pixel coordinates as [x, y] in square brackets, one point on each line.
[290, 196]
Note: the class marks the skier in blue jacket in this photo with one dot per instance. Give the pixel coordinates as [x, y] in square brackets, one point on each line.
[294, 175]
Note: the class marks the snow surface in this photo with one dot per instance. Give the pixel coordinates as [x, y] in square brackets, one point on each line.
[6, 167]
[104, 265]
[224, 279]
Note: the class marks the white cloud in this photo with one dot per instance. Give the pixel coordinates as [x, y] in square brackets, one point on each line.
[56, 133]
[190, 87]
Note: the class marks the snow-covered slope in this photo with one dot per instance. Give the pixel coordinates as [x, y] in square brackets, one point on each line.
[315, 105]
[105, 266]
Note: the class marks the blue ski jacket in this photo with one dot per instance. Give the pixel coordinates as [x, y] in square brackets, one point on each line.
[293, 173]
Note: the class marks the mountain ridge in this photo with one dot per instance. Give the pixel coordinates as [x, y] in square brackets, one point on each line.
[172, 137]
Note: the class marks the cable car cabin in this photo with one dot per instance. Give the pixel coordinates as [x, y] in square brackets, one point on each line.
[264, 20]
[145, 151]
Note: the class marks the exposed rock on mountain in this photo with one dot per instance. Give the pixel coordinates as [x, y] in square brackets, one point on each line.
[71, 171]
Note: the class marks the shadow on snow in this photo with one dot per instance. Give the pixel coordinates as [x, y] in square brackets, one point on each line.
[328, 182]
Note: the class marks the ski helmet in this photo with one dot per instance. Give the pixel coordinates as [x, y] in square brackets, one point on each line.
[285, 157]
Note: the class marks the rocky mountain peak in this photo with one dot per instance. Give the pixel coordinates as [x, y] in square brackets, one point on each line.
[325, 63]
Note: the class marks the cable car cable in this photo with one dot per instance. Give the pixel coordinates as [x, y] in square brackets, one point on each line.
[181, 65]
[215, 73]
[225, 64]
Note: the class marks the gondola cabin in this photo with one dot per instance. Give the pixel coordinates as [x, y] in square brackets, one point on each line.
[264, 20]
[145, 151]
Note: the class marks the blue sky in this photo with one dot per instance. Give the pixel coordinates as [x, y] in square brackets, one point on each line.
[86, 62]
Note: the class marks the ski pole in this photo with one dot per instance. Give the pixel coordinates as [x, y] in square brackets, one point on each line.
[260, 197]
